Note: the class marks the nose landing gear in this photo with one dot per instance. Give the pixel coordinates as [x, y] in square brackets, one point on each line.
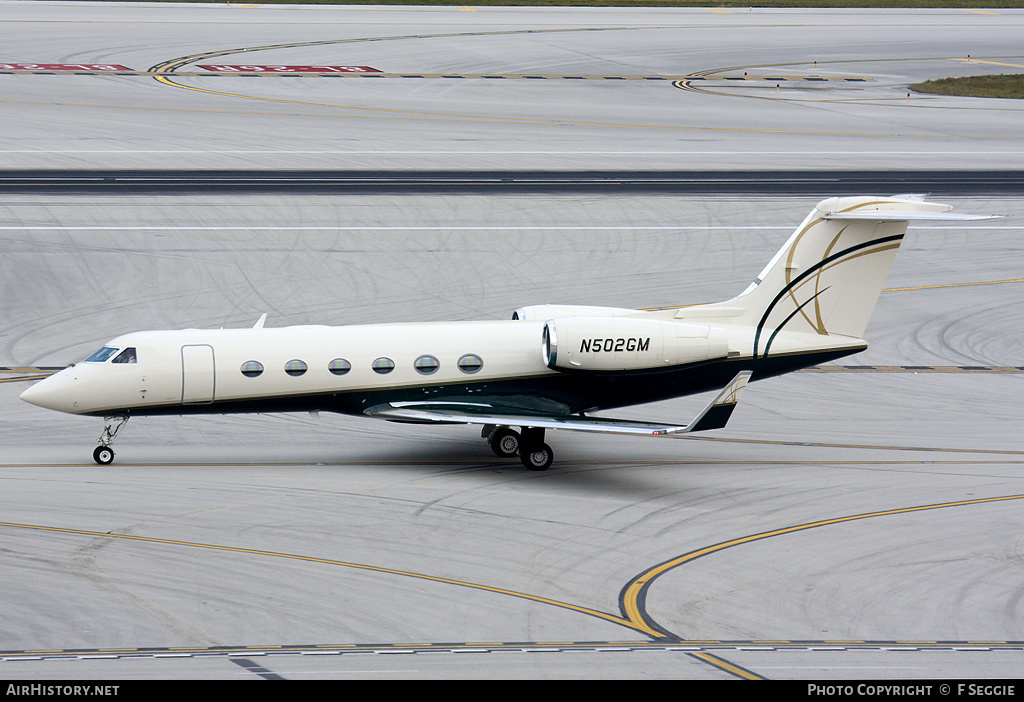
[104, 454]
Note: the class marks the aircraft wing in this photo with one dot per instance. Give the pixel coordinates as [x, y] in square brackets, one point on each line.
[714, 416]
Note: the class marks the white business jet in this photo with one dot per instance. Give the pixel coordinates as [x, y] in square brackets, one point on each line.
[549, 367]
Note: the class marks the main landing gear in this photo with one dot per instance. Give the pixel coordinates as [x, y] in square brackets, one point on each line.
[528, 445]
[104, 454]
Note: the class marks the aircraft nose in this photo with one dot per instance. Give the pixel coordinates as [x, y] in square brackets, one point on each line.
[50, 393]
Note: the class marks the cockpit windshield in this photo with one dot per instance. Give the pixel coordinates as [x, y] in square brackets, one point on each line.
[127, 355]
[101, 355]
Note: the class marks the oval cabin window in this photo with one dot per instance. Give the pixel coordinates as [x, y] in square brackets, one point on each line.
[383, 366]
[295, 367]
[470, 363]
[426, 365]
[251, 369]
[339, 366]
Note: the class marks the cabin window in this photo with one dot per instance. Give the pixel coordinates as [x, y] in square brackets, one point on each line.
[101, 355]
[339, 366]
[126, 356]
[470, 363]
[295, 367]
[251, 369]
[426, 365]
[383, 365]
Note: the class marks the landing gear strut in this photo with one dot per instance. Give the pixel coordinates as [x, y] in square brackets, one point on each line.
[104, 454]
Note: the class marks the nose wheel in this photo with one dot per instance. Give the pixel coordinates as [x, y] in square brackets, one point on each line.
[104, 454]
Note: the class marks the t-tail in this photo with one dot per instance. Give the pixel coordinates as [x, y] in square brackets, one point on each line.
[820, 289]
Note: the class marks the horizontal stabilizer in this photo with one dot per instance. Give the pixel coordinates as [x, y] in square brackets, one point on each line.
[906, 216]
[714, 416]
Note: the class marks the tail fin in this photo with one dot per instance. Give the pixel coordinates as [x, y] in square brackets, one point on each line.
[828, 276]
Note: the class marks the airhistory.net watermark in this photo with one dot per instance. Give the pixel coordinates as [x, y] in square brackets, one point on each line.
[51, 690]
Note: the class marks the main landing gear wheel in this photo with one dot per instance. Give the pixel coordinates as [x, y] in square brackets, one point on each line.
[538, 458]
[505, 442]
[104, 455]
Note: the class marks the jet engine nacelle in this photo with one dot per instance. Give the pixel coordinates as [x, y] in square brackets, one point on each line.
[536, 312]
[624, 343]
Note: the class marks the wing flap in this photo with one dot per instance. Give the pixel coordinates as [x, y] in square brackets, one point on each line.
[714, 416]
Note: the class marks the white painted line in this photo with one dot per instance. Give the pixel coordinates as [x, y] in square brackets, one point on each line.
[356, 228]
[442, 228]
[659, 152]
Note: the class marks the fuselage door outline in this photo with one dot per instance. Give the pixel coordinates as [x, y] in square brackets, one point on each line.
[198, 379]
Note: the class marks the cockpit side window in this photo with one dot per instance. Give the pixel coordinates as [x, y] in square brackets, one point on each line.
[101, 355]
[126, 356]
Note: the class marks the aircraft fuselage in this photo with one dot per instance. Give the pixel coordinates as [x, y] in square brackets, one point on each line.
[351, 368]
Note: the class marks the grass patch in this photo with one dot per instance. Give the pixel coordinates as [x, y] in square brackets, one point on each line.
[999, 86]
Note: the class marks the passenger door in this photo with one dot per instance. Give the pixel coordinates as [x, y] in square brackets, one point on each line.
[197, 375]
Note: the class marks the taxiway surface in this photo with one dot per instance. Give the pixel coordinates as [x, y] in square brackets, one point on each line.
[850, 522]
[238, 86]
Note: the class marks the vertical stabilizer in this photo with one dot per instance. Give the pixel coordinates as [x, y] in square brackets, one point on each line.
[827, 278]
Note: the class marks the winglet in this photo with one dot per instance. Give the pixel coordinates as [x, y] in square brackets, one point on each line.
[716, 414]
[260, 321]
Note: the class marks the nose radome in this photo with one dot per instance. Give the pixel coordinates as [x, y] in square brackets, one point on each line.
[50, 393]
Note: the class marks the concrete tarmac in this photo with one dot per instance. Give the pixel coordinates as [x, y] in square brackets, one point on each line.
[501, 88]
[853, 522]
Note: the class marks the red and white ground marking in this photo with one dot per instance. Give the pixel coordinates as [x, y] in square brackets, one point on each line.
[62, 67]
[288, 69]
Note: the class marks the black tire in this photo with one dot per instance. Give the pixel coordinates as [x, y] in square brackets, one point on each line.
[538, 458]
[505, 442]
[104, 455]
